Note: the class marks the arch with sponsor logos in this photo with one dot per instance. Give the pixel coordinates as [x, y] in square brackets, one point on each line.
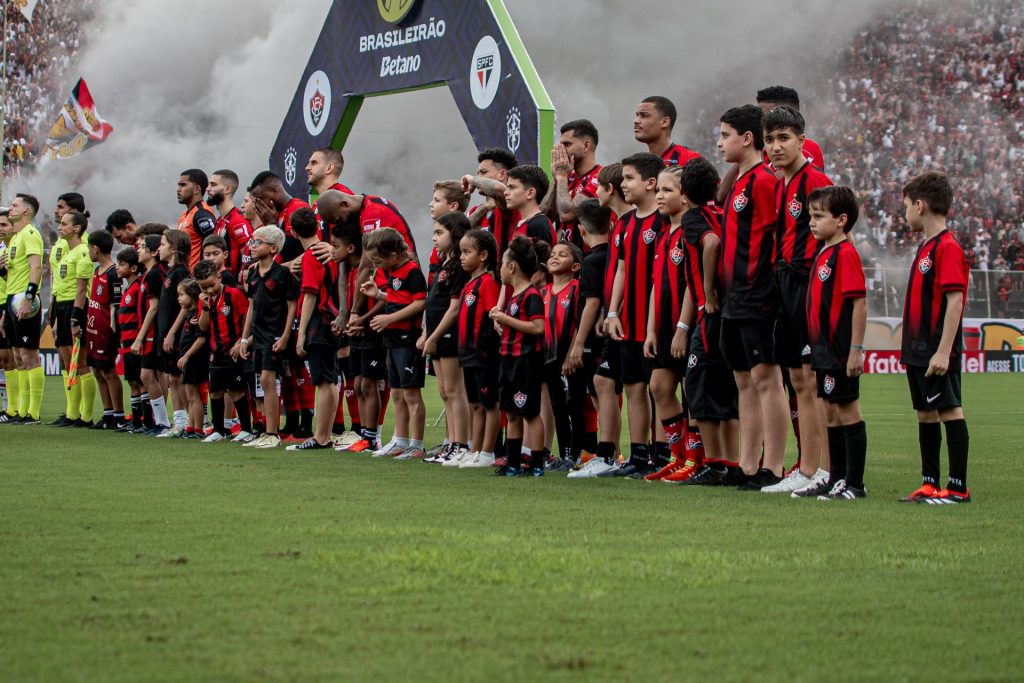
[370, 49]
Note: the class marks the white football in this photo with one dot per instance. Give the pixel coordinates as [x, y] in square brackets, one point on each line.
[19, 297]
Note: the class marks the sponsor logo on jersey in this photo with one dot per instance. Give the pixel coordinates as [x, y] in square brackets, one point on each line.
[692, 361]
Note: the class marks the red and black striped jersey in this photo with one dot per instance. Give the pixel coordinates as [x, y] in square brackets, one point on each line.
[236, 230]
[639, 236]
[612, 263]
[669, 282]
[837, 280]
[501, 223]
[584, 185]
[284, 219]
[697, 224]
[325, 227]
[404, 285]
[748, 246]
[561, 317]
[320, 280]
[227, 320]
[940, 267]
[131, 310]
[527, 306]
[106, 292]
[795, 246]
[538, 228]
[478, 340]
[378, 212]
[677, 155]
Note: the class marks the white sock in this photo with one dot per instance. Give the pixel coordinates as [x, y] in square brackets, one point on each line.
[180, 418]
[416, 443]
[402, 441]
[160, 411]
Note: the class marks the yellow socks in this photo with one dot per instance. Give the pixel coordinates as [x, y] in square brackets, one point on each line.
[74, 409]
[89, 390]
[13, 392]
[36, 381]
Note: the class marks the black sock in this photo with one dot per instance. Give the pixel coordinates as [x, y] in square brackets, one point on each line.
[306, 421]
[856, 453]
[217, 414]
[957, 442]
[357, 428]
[147, 411]
[836, 454]
[514, 452]
[338, 428]
[929, 434]
[291, 422]
[606, 451]
[244, 416]
[539, 458]
[662, 454]
[639, 455]
[136, 404]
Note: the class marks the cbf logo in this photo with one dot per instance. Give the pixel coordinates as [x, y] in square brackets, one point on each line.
[795, 208]
[924, 265]
[317, 103]
[485, 72]
[291, 159]
[513, 128]
[830, 384]
[824, 272]
[393, 11]
[740, 202]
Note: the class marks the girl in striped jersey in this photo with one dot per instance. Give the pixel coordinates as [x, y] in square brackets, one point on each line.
[561, 305]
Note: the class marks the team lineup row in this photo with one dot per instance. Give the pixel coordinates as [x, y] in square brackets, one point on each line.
[699, 298]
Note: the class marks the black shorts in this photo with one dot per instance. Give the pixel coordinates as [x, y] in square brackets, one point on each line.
[938, 392]
[447, 346]
[663, 359]
[197, 369]
[634, 368]
[132, 367]
[169, 362]
[583, 378]
[228, 376]
[264, 359]
[323, 364]
[481, 385]
[62, 323]
[373, 363]
[835, 387]
[710, 386]
[151, 360]
[22, 334]
[792, 342]
[609, 363]
[748, 342]
[406, 368]
[101, 353]
[101, 363]
[519, 380]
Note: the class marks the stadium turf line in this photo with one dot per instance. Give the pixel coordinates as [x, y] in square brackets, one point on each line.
[128, 558]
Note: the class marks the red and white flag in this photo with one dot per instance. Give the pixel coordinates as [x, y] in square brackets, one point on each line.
[78, 125]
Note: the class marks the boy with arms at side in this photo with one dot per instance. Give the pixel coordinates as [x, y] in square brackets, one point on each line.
[837, 315]
[223, 320]
[750, 301]
[273, 292]
[100, 333]
[795, 248]
[626, 319]
[933, 339]
[131, 311]
[153, 381]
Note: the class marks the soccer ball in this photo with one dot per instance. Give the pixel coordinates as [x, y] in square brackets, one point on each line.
[16, 303]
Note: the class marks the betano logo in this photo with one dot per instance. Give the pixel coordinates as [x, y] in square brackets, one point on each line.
[393, 11]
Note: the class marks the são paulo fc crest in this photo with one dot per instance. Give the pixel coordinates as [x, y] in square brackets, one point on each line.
[470, 299]
[649, 235]
[396, 284]
[485, 72]
[924, 265]
[291, 161]
[513, 128]
[513, 309]
[520, 399]
[795, 208]
[740, 202]
[692, 361]
[824, 272]
[830, 384]
[676, 255]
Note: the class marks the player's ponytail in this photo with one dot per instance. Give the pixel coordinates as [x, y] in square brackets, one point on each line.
[522, 252]
[79, 220]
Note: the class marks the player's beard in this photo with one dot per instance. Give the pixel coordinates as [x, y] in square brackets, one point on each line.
[215, 199]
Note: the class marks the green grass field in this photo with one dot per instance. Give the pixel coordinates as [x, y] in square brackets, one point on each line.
[126, 558]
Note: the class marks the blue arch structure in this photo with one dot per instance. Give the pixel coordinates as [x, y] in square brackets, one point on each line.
[370, 48]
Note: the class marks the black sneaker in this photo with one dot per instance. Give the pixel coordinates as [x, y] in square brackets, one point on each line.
[101, 425]
[642, 472]
[760, 479]
[843, 492]
[83, 424]
[812, 490]
[123, 428]
[4, 417]
[734, 476]
[624, 471]
[59, 422]
[65, 422]
[560, 465]
[309, 444]
[30, 421]
[708, 475]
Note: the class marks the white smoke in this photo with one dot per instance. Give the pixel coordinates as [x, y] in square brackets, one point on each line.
[202, 84]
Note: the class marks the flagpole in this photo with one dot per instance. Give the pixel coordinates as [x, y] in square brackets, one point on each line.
[3, 106]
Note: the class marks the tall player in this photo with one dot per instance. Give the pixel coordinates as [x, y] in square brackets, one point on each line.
[197, 220]
[795, 249]
[652, 125]
[324, 169]
[231, 224]
[750, 304]
[493, 165]
[69, 201]
[21, 325]
[574, 169]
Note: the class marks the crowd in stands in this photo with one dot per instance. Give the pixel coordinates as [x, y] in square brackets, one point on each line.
[39, 56]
